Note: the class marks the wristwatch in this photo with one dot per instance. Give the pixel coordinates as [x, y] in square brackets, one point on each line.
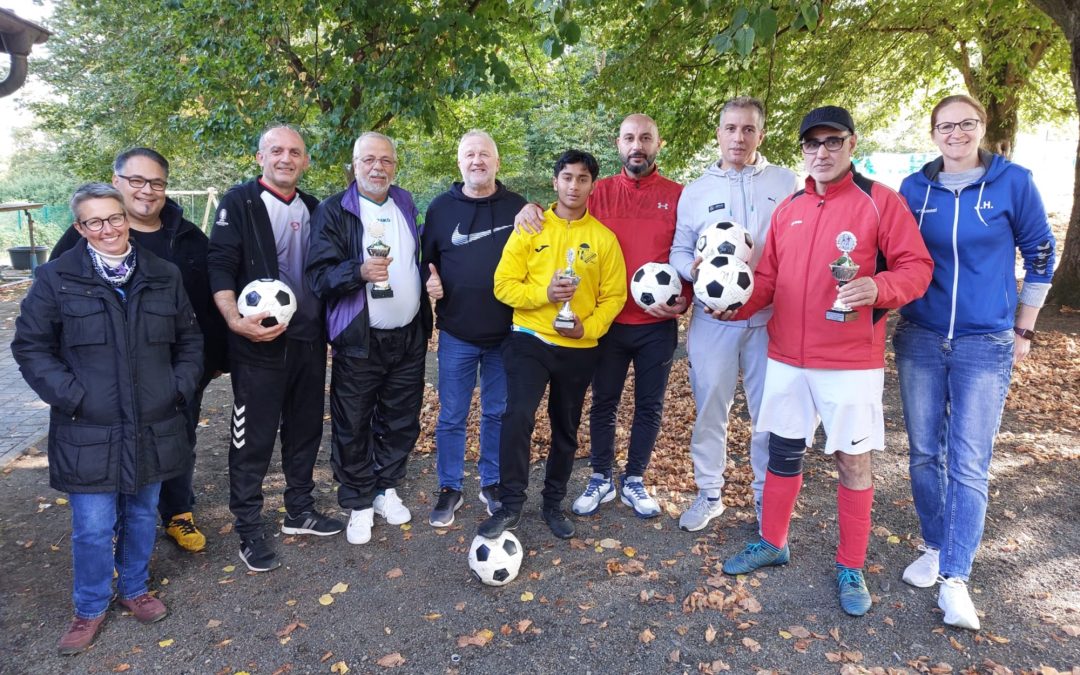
[1025, 333]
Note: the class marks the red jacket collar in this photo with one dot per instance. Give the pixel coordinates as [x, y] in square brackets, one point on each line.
[630, 181]
[831, 189]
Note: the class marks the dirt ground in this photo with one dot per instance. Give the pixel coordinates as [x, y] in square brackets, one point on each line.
[625, 596]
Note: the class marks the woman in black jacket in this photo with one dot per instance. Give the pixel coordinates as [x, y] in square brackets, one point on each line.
[107, 337]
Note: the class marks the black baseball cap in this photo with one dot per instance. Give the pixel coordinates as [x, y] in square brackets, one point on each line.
[827, 116]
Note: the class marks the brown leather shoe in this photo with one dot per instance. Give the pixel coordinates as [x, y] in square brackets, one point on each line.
[79, 635]
[146, 608]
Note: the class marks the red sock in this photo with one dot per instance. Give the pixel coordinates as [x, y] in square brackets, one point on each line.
[777, 503]
[853, 513]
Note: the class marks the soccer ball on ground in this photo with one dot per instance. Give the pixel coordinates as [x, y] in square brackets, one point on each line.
[655, 284]
[495, 562]
[267, 295]
[724, 283]
[725, 238]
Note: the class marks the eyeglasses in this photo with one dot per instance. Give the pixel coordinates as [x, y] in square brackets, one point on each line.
[946, 128]
[138, 182]
[832, 144]
[95, 224]
[381, 161]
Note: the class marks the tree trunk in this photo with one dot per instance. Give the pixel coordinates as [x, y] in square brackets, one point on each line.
[1002, 120]
[1066, 288]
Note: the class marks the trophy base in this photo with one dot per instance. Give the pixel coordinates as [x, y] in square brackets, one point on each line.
[379, 293]
[841, 315]
[564, 323]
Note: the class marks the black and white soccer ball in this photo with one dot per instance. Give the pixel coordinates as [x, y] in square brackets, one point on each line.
[655, 284]
[724, 282]
[725, 238]
[495, 562]
[267, 295]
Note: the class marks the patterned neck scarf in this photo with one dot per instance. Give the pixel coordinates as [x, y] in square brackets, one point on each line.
[115, 276]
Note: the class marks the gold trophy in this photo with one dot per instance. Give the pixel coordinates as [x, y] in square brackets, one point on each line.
[379, 249]
[565, 319]
[843, 270]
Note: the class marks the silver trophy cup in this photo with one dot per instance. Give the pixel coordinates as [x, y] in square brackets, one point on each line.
[380, 289]
[843, 270]
[565, 319]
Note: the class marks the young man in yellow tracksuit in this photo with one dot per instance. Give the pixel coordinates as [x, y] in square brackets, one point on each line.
[541, 350]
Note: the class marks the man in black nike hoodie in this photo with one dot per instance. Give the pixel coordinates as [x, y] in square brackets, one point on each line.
[465, 230]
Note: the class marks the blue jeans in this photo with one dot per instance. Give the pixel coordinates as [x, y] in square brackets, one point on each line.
[953, 393]
[458, 363]
[95, 519]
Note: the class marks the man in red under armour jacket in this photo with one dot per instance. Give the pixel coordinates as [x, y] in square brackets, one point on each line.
[639, 206]
[828, 366]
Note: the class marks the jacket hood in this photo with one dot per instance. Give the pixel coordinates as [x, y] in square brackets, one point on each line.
[457, 192]
[994, 165]
[752, 169]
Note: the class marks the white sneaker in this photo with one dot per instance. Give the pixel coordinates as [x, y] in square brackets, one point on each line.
[953, 599]
[923, 573]
[389, 506]
[359, 529]
[633, 494]
[704, 509]
[600, 490]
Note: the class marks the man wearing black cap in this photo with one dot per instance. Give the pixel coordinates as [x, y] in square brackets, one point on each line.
[843, 242]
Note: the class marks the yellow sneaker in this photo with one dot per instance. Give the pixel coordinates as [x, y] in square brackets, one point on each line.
[183, 531]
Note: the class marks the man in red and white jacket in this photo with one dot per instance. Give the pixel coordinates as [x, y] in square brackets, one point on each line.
[639, 206]
[829, 371]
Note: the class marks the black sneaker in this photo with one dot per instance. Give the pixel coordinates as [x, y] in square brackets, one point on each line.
[491, 496]
[499, 522]
[450, 500]
[312, 522]
[560, 525]
[258, 555]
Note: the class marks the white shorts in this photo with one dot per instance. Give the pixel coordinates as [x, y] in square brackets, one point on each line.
[847, 402]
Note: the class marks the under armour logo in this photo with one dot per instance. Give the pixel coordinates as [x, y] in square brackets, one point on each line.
[986, 205]
[662, 205]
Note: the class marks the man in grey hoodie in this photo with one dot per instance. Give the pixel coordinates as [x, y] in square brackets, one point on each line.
[744, 188]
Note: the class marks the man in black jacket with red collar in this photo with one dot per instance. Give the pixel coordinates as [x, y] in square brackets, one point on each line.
[278, 372]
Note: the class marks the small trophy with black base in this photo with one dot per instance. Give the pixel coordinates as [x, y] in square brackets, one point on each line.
[379, 249]
[843, 270]
[565, 319]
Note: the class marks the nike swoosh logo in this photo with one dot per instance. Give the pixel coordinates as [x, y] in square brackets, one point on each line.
[860, 440]
[459, 239]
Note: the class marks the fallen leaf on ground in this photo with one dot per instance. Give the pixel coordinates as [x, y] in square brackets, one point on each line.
[610, 543]
[527, 596]
[340, 668]
[122, 668]
[523, 625]
[326, 599]
[1071, 630]
[799, 631]
[751, 644]
[432, 616]
[213, 623]
[339, 588]
[166, 642]
[646, 636]
[229, 568]
[394, 573]
[710, 634]
[478, 639]
[629, 551]
[391, 660]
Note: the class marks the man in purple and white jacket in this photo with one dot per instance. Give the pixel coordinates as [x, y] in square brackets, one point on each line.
[379, 338]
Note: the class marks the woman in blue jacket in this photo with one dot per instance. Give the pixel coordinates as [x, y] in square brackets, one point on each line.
[955, 347]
